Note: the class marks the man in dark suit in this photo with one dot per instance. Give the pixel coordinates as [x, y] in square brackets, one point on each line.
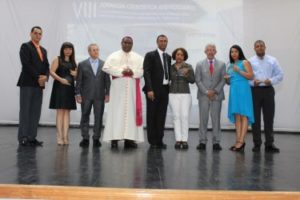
[92, 90]
[156, 73]
[34, 74]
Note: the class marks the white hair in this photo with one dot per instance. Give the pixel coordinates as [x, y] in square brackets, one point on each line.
[210, 45]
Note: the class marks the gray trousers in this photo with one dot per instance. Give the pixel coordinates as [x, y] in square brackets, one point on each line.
[86, 107]
[30, 111]
[214, 108]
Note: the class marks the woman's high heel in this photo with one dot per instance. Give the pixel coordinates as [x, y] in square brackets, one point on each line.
[241, 148]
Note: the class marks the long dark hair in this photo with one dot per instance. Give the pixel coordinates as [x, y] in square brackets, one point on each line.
[72, 57]
[241, 54]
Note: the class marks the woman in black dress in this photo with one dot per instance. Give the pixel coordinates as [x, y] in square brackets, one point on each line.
[64, 71]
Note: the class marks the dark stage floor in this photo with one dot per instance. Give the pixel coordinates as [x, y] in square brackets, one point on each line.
[146, 168]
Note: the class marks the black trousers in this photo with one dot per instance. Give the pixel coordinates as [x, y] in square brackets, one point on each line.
[263, 101]
[156, 115]
[30, 111]
[86, 107]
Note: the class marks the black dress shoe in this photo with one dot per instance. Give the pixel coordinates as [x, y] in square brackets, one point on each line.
[177, 145]
[162, 146]
[114, 144]
[84, 143]
[256, 148]
[272, 149]
[217, 147]
[130, 144]
[201, 146]
[96, 143]
[153, 146]
[185, 145]
[36, 143]
[24, 142]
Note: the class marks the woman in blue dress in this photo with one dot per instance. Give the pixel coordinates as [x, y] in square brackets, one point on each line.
[240, 106]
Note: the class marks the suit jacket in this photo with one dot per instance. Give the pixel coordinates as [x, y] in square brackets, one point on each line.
[32, 65]
[154, 71]
[205, 81]
[89, 85]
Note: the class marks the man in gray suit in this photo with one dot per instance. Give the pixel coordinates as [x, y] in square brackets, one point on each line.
[92, 90]
[210, 81]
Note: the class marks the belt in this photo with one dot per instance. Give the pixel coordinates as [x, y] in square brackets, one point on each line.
[262, 87]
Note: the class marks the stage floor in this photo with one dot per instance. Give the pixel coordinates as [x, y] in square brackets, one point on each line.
[146, 168]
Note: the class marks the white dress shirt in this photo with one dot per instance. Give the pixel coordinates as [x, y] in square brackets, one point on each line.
[94, 64]
[265, 68]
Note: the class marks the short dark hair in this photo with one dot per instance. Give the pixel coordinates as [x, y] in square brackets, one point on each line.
[127, 37]
[241, 53]
[161, 35]
[259, 41]
[36, 27]
[185, 53]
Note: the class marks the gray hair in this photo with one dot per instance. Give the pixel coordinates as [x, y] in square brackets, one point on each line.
[92, 44]
[210, 45]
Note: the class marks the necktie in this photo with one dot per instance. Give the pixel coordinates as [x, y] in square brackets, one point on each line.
[165, 66]
[211, 67]
[38, 48]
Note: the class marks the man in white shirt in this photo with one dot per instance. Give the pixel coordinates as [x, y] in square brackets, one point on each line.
[267, 72]
[124, 115]
[156, 74]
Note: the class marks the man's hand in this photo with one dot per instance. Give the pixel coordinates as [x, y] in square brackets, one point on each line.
[78, 99]
[127, 72]
[106, 98]
[257, 82]
[42, 80]
[211, 94]
[150, 95]
[268, 82]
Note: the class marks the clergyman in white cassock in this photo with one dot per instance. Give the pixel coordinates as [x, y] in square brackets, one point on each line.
[124, 114]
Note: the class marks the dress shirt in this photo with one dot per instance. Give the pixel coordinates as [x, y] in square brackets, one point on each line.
[160, 52]
[94, 64]
[266, 68]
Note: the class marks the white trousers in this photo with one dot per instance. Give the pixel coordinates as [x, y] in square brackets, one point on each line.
[181, 105]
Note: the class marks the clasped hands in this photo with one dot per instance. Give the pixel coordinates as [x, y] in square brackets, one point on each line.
[65, 81]
[127, 72]
[267, 82]
[211, 94]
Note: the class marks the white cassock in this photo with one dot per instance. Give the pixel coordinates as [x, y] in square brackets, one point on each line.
[121, 114]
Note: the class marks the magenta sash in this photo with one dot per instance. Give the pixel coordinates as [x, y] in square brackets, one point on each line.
[138, 100]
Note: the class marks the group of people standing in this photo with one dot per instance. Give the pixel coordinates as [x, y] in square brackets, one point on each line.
[94, 82]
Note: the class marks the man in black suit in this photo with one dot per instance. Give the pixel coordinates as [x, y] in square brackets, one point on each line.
[92, 90]
[34, 74]
[156, 73]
